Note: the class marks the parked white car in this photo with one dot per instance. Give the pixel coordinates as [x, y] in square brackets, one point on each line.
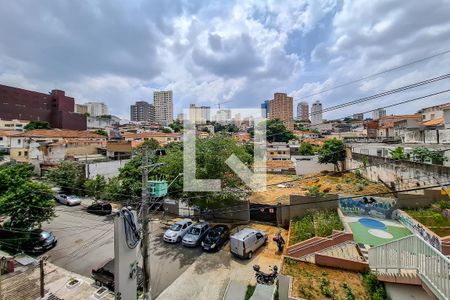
[68, 200]
[176, 232]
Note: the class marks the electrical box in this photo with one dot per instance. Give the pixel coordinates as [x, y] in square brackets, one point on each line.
[158, 188]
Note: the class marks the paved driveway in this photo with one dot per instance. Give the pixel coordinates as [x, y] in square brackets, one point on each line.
[85, 240]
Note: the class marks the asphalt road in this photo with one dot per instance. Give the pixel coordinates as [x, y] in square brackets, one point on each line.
[86, 240]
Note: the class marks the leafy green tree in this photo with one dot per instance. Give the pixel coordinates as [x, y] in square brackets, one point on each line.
[306, 149]
[37, 125]
[397, 153]
[95, 187]
[332, 152]
[69, 176]
[277, 132]
[422, 154]
[28, 203]
[166, 130]
[101, 132]
[113, 189]
[176, 126]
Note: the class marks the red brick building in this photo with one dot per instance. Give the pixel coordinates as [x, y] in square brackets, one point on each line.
[55, 107]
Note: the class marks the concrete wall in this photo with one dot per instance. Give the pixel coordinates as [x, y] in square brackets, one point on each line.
[298, 205]
[399, 174]
[444, 135]
[431, 136]
[107, 169]
[305, 165]
[341, 263]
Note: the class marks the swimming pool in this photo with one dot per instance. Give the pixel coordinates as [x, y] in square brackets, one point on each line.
[372, 223]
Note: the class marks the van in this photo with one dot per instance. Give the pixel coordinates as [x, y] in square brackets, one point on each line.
[245, 242]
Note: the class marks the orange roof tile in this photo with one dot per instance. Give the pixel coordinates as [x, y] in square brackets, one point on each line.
[150, 135]
[8, 133]
[435, 122]
[59, 133]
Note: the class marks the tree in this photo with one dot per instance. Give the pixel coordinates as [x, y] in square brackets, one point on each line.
[306, 149]
[277, 132]
[422, 154]
[332, 152]
[166, 130]
[176, 126]
[37, 125]
[101, 132]
[397, 153]
[28, 203]
[95, 187]
[69, 176]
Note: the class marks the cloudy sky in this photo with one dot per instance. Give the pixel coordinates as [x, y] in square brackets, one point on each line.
[214, 51]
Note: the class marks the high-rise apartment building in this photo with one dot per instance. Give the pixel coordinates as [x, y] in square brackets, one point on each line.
[281, 107]
[95, 109]
[163, 102]
[142, 111]
[199, 114]
[265, 109]
[303, 111]
[379, 113]
[223, 116]
[316, 113]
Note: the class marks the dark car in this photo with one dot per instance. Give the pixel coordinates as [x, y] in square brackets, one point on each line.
[40, 241]
[100, 208]
[215, 238]
[33, 241]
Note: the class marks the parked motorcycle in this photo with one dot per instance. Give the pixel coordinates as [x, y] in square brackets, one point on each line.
[264, 278]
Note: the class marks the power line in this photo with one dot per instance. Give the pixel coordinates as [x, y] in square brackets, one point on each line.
[375, 74]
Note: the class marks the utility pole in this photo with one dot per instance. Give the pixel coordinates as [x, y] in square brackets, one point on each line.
[41, 267]
[145, 226]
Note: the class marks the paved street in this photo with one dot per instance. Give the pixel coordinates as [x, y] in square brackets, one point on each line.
[86, 240]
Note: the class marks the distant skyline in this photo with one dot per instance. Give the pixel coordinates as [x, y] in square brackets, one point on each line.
[207, 52]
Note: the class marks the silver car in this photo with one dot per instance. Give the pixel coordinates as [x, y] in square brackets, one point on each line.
[195, 235]
[68, 200]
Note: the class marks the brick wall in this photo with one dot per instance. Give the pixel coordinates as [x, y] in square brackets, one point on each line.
[341, 263]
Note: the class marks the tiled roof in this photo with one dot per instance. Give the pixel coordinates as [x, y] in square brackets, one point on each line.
[435, 122]
[401, 117]
[8, 133]
[150, 135]
[59, 133]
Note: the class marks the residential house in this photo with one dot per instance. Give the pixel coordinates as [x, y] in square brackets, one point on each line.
[15, 124]
[433, 112]
[43, 147]
[386, 124]
[161, 137]
[5, 139]
[278, 151]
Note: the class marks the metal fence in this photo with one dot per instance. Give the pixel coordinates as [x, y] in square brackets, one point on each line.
[413, 253]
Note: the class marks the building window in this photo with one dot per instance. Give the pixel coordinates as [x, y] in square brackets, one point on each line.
[380, 152]
[19, 153]
[25, 153]
[19, 141]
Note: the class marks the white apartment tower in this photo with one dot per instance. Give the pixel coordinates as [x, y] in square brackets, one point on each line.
[316, 113]
[95, 109]
[163, 101]
[199, 114]
[380, 112]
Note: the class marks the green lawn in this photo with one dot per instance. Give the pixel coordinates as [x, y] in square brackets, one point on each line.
[361, 234]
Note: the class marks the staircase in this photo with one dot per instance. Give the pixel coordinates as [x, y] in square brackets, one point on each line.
[410, 259]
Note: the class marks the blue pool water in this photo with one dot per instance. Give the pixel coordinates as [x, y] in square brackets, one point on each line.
[371, 223]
